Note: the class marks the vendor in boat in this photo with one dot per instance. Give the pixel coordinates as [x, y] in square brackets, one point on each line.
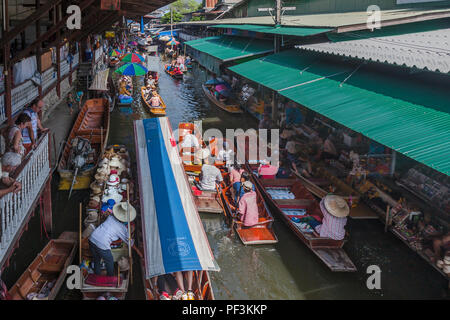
[155, 101]
[298, 161]
[112, 229]
[239, 186]
[225, 154]
[209, 175]
[327, 150]
[248, 206]
[335, 211]
[441, 244]
[266, 170]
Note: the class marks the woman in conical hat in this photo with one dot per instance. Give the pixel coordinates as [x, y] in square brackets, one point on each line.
[335, 211]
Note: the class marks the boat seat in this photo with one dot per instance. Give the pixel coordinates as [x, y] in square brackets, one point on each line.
[55, 265]
[34, 275]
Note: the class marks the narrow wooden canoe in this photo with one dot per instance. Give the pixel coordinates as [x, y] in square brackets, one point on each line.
[328, 250]
[261, 233]
[89, 291]
[160, 111]
[234, 108]
[93, 124]
[201, 286]
[48, 267]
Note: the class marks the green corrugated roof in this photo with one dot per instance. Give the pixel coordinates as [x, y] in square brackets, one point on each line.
[401, 111]
[287, 31]
[228, 48]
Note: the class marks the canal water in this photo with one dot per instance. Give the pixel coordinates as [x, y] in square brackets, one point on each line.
[286, 270]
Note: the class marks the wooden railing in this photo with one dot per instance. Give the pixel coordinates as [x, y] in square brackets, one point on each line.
[21, 95]
[15, 208]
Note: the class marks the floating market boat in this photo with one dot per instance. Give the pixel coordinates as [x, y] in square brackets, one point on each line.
[173, 238]
[174, 74]
[116, 287]
[85, 144]
[231, 108]
[291, 200]
[262, 232]
[45, 275]
[157, 111]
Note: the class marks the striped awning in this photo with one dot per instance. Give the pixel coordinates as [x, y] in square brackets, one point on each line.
[174, 238]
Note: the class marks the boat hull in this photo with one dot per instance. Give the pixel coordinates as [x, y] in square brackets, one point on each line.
[154, 111]
[221, 105]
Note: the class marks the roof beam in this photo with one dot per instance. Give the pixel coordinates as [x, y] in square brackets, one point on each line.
[9, 36]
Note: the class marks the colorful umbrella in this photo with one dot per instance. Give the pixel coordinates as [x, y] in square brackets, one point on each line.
[115, 53]
[132, 69]
[172, 42]
[132, 57]
[133, 43]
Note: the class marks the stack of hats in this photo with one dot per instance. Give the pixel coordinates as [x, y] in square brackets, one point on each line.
[444, 264]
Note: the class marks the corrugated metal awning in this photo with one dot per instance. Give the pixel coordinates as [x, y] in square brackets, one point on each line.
[100, 82]
[423, 45]
[400, 110]
[287, 31]
[227, 48]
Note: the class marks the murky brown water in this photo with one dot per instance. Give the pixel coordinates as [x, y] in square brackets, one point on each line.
[286, 270]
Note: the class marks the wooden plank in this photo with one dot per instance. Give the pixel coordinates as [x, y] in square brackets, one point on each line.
[335, 259]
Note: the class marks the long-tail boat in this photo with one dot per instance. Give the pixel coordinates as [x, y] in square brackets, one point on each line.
[157, 111]
[262, 232]
[231, 108]
[118, 289]
[45, 275]
[174, 74]
[291, 200]
[173, 238]
[92, 124]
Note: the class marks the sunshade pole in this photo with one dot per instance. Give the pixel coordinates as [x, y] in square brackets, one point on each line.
[129, 233]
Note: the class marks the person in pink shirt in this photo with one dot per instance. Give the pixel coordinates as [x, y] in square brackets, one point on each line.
[235, 174]
[266, 170]
[248, 206]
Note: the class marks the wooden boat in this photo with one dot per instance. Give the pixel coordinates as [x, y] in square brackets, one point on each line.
[93, 124]
[113, 63]
[48, 267]
[303, 202]
[160, 111]
[261, 233]
[124, 92]
[119, 249]
[201, 286]
[188, 160]
[233, 108]
[173, 74]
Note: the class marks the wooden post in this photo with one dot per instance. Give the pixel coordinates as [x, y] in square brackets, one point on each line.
[7, 66]
[58, 54]
[130, 257]
[39, 47]
[48, 214]
[388, 211]
[81, 208]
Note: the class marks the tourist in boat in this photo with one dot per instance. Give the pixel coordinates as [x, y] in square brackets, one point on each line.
[112, 229]
[188, 61]
[15, 139]
[10, 161]
[209, 175]
[335, 211]
[150, 81]
[30, 133]
[284, 171]
[155, 101]
[239, 187]
[190, 141]
[225, 154]
[266, 170]
[248, 206]
[266, 122]
[183, 293]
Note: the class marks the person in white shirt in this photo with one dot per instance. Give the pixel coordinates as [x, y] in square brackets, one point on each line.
[209, 176]
[190, 141]
[112, 229]
[225, 154]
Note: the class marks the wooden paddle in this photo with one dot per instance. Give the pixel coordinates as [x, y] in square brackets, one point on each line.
[129, 234]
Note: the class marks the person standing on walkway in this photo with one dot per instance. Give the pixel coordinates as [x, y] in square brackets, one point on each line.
[15, 139]
[30, 133]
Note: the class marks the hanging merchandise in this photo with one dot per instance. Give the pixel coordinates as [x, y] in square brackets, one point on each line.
[24, 70]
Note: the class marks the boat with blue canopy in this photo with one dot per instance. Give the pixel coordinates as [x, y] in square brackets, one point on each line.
[173, 238]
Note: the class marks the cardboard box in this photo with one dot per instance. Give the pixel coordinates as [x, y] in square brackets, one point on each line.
[46, 61]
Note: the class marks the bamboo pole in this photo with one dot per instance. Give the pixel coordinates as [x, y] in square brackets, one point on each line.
[129, 234]
[81, 208]
[386, 224]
